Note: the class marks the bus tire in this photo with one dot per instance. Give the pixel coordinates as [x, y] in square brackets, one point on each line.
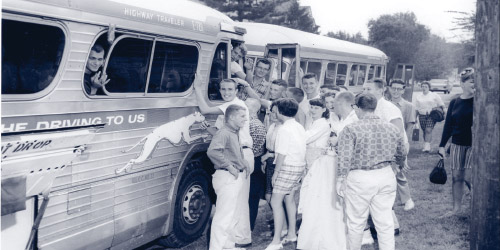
[192, 207]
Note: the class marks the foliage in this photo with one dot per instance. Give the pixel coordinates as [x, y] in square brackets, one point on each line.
[398, 35]
[286, 13]
[433, 59]
[342, 35]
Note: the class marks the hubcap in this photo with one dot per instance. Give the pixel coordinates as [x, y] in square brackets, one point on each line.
[193, 204]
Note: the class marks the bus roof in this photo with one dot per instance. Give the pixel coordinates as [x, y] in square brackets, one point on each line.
[188, 9]
[180, 14]
[282, 35]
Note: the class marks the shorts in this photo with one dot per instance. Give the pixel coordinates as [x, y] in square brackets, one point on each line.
[288, 179]
[460, 156]
[426, 121]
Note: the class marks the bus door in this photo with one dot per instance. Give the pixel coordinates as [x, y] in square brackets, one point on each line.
[406, 72]
[285, 53]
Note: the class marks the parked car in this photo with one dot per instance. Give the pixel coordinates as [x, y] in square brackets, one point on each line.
[441, 85]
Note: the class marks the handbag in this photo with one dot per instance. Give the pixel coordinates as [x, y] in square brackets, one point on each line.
[415, 136]
[438, 174]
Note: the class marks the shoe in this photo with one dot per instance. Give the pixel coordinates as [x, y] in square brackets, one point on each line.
[287, 240]
[427, 147]
[243, 245]
[409, 205]
[274, 246]
[367, 238]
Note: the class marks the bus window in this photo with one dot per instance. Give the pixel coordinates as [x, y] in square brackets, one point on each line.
[31, 56]
[128, 66]
[174, 67]
[371, 72]
[314, 67]
[353, 75]
[303, 66]
[341, 74]
[379, 72]
[218, 72]
[330, 74]
[361, 74]
[274, 72]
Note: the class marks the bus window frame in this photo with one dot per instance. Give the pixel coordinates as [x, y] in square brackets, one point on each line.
[228, 67]
[65, 54]
[145, 94]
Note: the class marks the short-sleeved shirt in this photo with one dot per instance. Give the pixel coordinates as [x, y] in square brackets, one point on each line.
[225, 150]
[235, 68]
[350, 118]
[245, 138]
[407, 110]
[425, 103]
[291, 142]
[272, 132]
[261, 89]
[258, 133]
[387, 111]
[369, 143]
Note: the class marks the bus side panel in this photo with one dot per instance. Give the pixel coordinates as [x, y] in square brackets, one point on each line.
[90, 197]
[79, 218]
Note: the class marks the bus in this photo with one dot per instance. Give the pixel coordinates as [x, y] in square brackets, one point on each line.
[294, 53]
[120, 167]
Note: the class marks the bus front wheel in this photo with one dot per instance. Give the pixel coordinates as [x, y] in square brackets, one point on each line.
[192, 207]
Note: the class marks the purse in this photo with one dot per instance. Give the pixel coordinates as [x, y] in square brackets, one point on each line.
[415, 136]
[438, 174]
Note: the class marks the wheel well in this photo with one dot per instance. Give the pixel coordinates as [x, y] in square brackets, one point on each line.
[208, 166]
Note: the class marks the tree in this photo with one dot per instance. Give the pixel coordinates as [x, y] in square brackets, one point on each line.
[485, 217]
[343, 35]
[286, 13]
[433, 59]
[397, 35]
[290, 14]
[241, 10]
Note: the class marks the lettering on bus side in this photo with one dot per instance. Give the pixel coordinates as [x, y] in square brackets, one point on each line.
[110, 120]
[10, 148]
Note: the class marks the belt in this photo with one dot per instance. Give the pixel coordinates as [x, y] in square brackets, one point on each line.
[244, 147]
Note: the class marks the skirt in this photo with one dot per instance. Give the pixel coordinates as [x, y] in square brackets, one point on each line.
[288, 179]
[426, 121]
[460, 156]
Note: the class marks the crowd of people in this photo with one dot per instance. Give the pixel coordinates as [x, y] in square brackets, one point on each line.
[344, 154]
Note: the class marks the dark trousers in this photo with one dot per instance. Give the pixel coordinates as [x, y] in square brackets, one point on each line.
[257, 191]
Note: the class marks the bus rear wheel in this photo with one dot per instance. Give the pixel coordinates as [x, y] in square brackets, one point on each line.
[192, 207]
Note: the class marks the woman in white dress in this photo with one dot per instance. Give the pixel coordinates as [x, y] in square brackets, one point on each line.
[322, 216]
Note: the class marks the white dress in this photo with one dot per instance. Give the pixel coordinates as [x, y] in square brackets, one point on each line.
[323, 224]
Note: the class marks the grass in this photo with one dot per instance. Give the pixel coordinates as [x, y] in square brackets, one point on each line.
[421, 228]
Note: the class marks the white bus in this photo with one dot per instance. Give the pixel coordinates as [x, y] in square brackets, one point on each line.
[335, 62]
[126, 165]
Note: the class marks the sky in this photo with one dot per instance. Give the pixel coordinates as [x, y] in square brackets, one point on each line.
[353, 15]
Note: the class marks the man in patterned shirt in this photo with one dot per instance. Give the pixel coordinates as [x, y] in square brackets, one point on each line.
[257, 80]
[257, 178]
[366, 150]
